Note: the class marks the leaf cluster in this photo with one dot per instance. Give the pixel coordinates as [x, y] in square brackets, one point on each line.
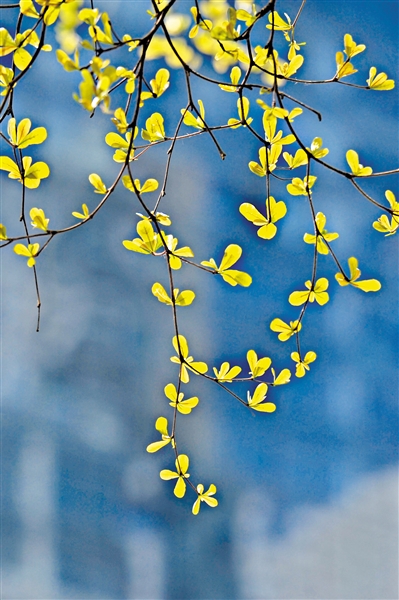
[209, 32]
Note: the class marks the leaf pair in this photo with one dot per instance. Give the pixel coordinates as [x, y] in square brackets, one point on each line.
[30, 174]
[21, 56]
[22, 137]
[316, 148]
[284, 330]
[383, 224]
[225, 373]
[257, 366]
[29, 251]
[269, 121]
[366, 285]
[274, 212]
[379, 82]
[268, 160]
[256, 401]
[235, 76]
[39, 219]
[158, 85]
[243, 110]
[182, 462]
[184, 298]
[176, 401]
[301, 187]
[149, 241]
[205, 497]
[230, 257]
[161, 425]
[357, 169]
[191, 121]
[205, 24]
[150, 185]
[122, 145]
[322, 235]
[175, 252]
[302, 365]
[187, 362]
[154, 131]
[315, 292]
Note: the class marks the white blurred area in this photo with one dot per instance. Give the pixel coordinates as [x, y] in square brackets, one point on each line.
[344, 550]
[35, 575]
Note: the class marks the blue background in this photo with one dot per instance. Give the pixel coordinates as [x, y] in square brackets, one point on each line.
[307, 495]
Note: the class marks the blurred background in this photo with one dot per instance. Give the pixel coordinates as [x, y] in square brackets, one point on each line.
[308, 496]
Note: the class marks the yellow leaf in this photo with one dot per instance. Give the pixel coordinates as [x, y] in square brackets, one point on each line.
[357, 169]
[379, 82]
[150, 185]
[154, 131]
[351, 48]
[161, 82]
[300, 158]
[30, 252]
[234, 277]
[27, 8]
[252, 214]
[97, 183]
[299, 187]
[185, 298]
[268, 407]
[39, 219]
[366, 285]
[155, 446]
[278, 23]
[7, 164]
[66, 61]
[116, 141]
[22, 59]
[82, 215]
[282, 378]
[230, 256]
[159, 292]
[257, 367]
[20, 136]
[285, 331]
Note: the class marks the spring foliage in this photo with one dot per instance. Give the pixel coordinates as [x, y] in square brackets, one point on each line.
[117, 64]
